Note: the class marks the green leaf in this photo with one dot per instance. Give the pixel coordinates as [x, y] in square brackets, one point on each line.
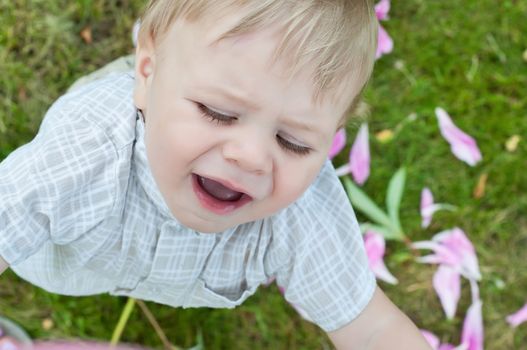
[386, 232]
[394, 196]
[362, 202]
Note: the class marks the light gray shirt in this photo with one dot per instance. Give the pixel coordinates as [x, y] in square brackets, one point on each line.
[80, 214]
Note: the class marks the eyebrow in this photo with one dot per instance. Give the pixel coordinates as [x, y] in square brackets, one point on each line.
[231, 95]
[224, 92]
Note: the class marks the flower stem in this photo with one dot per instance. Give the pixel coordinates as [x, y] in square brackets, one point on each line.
[125, 315]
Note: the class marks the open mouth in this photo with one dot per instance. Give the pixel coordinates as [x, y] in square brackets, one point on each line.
[216, 196]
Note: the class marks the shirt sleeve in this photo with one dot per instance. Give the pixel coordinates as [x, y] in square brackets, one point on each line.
[57, 187]
[319, 256]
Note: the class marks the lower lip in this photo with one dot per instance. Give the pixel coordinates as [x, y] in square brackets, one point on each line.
[214, 205]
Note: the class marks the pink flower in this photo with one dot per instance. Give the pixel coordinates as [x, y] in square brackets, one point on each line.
[375, 247]
[472, 334]
[339, 141]
[428, 207]
[447, 284]
[384, 42]
[518, 317]
[452, 248]
[359, 159]
[463, 146]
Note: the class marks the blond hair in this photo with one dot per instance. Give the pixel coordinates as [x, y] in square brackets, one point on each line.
[336, 38]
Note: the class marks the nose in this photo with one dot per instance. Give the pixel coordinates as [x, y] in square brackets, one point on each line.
[250, 152]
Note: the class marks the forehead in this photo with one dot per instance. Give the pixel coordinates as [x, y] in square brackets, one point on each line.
[249, 62]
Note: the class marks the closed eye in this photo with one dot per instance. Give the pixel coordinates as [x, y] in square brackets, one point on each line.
[214, 116]
[224, 119]
[292, 147]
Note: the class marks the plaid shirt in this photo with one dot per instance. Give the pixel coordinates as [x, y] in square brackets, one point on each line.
[80, 214]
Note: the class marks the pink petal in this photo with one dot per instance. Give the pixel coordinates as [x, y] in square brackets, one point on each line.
[431, 338]
[427, 202]
[457, 242]
[135, 32]
[359, 159]
[339, 141]
[518, 317]
[81, 345]
[446, 347]
[384, 43]
[447, 285]
[375, 246]
[381, 272]
[472, 334]
[442, 254]
[463, 146]
[381, 10]
[8, 343]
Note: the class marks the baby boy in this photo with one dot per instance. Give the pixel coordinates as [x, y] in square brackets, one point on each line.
[204, 173]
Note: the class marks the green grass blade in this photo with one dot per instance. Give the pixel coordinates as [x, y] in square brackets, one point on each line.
[121, 324]
[386, 232]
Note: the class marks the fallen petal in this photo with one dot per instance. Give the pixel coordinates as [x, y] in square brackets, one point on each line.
[135, 32]
[431, 338]
[427, 202]
[518, 317]
[472, 334]
[447, 284]
[359, 159]
[479, 190]
[384, 136]
[457, 242]
[339, 141]
[450, 347]
[82, 345]
[384, 43]
[375, 247]
[381, 10]
[86, 35]
[463, 146]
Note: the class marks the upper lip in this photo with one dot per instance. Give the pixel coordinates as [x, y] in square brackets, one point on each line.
[227, 184]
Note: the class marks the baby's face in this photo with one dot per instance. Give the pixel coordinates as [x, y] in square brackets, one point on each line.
[229, 139]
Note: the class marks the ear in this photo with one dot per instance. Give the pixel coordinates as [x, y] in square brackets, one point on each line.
[144, 70]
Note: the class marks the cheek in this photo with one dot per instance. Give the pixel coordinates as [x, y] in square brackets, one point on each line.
[174, 141]
[293, 180]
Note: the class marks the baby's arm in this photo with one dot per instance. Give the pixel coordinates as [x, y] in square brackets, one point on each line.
[380, 326]
[3, 265]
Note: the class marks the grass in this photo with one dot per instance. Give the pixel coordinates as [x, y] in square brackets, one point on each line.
[467, 59]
